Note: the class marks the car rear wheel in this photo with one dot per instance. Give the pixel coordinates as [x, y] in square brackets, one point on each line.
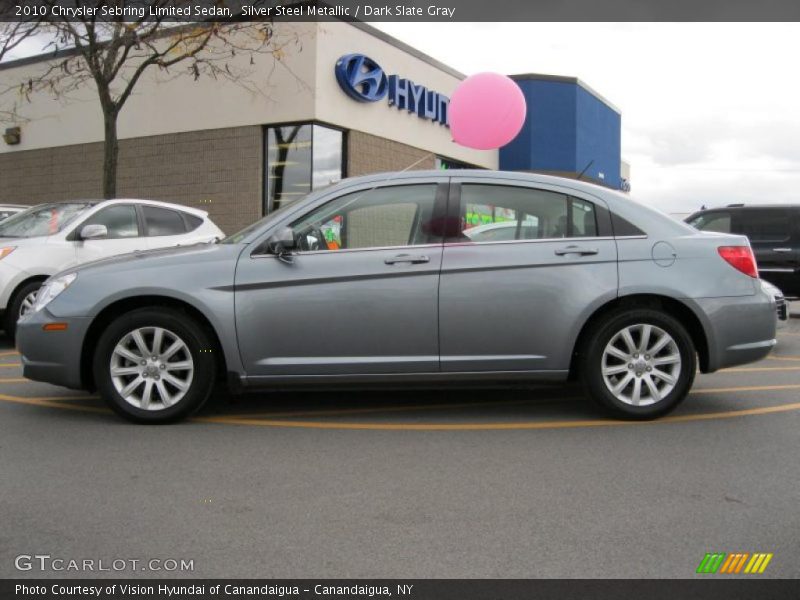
[21, 303]
[638, 364]
[154, 365]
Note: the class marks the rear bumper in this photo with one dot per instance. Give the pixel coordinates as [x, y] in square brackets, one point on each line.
[52, 356]
[739, 330]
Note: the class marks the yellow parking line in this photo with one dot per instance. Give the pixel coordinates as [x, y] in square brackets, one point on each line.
[498, 426]
[407, 407]
[262, 421]
[14, 380]
[9, 353]
[753, 388]
[782, 357]
[758, 369]
[10, 365]
[400, 408]
[51, 404]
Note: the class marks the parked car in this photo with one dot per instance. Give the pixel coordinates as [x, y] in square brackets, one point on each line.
[774, 234]
[7, 210]
[781, 305]
[48, 238]
[373, 282]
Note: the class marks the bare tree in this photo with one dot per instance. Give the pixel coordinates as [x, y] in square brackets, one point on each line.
[114, 54]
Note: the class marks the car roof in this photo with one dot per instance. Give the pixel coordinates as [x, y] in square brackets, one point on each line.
[193, 211]
[749, 207]
[483, 173]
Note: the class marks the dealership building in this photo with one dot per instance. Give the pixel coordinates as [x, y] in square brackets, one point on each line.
[342, 99]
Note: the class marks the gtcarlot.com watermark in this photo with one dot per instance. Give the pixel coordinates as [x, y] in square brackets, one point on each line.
[46, 562]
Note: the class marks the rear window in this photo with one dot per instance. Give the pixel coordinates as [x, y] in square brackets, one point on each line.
[713, 221]
[192, 222]
[163, 221]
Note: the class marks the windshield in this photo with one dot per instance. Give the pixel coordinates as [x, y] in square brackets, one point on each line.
[240, 235]
[45, 219]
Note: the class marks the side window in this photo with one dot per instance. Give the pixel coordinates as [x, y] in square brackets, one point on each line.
[765, 225]
[714, 221]
[192, 221]
[491, 213]
[381, 217]
[584, 220]
[120, 220]
[162, 221]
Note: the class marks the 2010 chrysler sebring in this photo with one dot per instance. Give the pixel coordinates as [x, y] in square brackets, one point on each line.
[377, 281]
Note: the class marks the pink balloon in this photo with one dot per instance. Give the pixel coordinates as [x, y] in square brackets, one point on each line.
[486, 111]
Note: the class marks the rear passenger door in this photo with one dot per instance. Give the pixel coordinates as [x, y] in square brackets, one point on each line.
[518, 304]
[771, 235]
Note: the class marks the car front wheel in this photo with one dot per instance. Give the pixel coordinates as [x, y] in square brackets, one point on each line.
[638, 364]
[154, 365]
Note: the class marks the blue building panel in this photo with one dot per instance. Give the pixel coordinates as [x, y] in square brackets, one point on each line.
[567, 128]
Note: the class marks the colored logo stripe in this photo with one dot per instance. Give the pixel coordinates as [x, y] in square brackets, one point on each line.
[758, 563]
[733, 563]
[711, 562]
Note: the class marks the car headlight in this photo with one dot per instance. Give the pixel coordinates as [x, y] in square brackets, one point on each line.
[50, 290]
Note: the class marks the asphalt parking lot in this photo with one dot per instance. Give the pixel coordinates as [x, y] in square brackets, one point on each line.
[487, 483]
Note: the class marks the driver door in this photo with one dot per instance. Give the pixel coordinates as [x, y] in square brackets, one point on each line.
[358, 296]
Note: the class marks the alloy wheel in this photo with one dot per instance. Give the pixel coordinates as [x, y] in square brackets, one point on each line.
[151, 368]
[641, 364]
[27, 303]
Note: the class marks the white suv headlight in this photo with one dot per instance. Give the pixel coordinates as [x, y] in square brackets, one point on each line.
[51, 289]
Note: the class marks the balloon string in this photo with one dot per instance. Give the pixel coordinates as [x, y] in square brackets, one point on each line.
[390, 178]
[414, 164]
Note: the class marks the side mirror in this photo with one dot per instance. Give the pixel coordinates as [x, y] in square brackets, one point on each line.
[94, 232]
[281, 242]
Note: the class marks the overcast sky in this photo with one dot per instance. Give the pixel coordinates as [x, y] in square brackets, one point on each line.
[710, 111]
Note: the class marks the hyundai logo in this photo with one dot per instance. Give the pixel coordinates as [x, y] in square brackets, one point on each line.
[361, 78]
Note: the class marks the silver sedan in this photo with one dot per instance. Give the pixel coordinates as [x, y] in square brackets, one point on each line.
[377, 281]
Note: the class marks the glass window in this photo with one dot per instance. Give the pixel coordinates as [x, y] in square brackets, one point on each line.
[765, 225]
[120, 220]
[388, 216]
[45, 219]
[192, 221]
[584, 221]
[497, 213]
[162, 221]
[714, 221]
[300, 158]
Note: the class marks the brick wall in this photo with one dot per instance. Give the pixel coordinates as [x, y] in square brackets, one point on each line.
[217, 170]
[371, 154]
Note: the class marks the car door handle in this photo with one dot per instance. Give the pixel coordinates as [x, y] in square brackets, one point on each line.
[782, 250]
[408, 258]
[576, 250]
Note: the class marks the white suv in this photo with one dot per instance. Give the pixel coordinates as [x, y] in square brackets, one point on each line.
[48, 238]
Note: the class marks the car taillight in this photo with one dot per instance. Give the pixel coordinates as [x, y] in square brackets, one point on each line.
[740, 258]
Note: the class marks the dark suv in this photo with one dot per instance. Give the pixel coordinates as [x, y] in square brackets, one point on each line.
[774, 232]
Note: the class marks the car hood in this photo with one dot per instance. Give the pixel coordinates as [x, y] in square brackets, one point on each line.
[195, 255]
[21, 241]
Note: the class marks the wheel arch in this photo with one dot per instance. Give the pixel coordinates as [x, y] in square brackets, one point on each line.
[675, 308]
[122, 306]
[23, 283]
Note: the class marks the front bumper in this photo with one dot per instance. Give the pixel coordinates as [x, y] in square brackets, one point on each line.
[739, 330]
[52, 356]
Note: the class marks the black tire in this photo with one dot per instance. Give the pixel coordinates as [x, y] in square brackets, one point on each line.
[13, 308]
[198, 344]
[591, 356]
